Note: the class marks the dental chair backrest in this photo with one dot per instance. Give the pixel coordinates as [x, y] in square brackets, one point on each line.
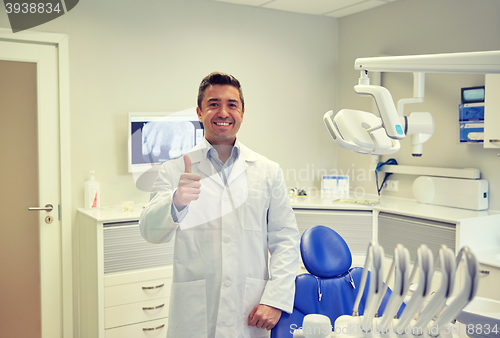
[330, 287]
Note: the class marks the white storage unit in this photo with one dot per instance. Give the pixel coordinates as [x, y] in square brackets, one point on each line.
[124, 281]
[492, 111]
[411, 224]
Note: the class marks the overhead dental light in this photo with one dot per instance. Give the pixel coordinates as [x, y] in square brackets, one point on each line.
[366, 133]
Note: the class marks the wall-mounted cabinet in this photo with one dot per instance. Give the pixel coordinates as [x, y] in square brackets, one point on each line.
[492, 111]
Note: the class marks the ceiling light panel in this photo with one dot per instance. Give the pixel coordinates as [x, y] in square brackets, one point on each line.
[360, 7]
[317, 7]
[246, 2]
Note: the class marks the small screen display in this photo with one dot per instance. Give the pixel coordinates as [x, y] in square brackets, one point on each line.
[473, 94]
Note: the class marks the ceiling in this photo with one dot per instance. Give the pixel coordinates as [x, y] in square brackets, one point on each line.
[332, 8]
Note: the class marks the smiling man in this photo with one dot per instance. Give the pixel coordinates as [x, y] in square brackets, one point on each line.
[229, 210]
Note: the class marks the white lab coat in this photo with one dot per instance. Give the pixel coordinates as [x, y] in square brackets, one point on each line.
[222, 268]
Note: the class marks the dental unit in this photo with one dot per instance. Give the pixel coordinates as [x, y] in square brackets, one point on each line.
[432, 320]
[365, 133]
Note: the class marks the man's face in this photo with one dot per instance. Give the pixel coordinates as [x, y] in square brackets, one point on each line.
[221, 114]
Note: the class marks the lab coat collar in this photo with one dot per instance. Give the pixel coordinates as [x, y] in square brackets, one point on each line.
[199, 154]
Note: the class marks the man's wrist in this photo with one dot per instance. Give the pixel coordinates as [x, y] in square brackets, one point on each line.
[178, 207]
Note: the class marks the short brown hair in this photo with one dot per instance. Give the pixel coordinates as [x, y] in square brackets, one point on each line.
[220, 79]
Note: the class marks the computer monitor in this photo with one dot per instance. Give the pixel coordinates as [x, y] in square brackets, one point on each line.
[155, 138]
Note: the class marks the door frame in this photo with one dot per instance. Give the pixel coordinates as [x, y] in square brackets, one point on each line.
[60, 41]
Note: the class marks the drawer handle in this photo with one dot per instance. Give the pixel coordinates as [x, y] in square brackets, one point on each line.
[153, 328]
[485, 272]
[153, 307]
[153, 287]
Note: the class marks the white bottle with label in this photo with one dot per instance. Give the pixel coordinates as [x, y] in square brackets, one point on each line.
[92, 193]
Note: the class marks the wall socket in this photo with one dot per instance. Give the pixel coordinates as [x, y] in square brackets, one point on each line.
[391, 185]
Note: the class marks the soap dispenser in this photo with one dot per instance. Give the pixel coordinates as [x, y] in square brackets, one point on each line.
[92, 193]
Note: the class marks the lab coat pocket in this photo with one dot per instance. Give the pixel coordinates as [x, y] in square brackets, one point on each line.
[188, 310]
[254, 288]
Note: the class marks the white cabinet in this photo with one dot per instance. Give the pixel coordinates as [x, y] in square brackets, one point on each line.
[492, 111]
[124, 281]
[412, 224]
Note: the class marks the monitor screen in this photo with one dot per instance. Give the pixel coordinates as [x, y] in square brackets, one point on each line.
[159, 137]
[473, 94]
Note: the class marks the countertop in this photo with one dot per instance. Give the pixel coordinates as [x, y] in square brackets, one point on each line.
[395, 205]
[113, 213]
[400, 206]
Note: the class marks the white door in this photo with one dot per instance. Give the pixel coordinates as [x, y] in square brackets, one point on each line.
[31, 287]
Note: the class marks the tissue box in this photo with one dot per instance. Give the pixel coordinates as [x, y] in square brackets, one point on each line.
[334, 186]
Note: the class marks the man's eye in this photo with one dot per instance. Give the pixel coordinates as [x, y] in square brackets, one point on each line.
[213, 104]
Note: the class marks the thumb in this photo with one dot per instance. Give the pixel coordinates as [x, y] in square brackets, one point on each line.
[187, 164]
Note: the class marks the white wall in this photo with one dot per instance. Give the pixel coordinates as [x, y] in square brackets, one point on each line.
[151, 56]
[129, 56]
[408, 27]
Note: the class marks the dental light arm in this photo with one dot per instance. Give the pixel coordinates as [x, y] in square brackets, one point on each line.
[359, 132]
[386, 108]
[471, 62]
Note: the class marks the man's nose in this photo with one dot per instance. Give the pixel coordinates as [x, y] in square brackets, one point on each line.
[223, 112]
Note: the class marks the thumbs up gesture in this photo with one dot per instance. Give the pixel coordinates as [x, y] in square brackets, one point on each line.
[188, 188]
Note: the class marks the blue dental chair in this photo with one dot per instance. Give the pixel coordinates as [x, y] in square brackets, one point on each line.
[331, 286]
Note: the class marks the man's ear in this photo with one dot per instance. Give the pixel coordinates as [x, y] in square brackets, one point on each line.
[198, 112]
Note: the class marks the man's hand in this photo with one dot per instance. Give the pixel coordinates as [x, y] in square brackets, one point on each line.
[264, 317]
[188, 188]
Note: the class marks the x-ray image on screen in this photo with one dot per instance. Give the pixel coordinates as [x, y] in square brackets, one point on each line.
[166, 140]
[157, 139]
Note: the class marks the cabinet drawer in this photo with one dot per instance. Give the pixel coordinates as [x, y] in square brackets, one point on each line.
[137, 292]
[124, 249]
[151, 329]
[135, 313]
[137, 276]
[488, 283]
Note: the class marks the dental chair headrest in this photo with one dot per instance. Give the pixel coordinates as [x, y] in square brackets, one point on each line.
[324, 252]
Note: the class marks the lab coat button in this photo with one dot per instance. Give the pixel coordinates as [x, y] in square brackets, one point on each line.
[227, 283]
[226, 239]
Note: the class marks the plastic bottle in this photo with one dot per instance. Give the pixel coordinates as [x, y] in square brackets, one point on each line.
[92, 193]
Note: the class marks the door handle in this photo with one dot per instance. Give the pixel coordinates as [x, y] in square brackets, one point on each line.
[47, 207]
